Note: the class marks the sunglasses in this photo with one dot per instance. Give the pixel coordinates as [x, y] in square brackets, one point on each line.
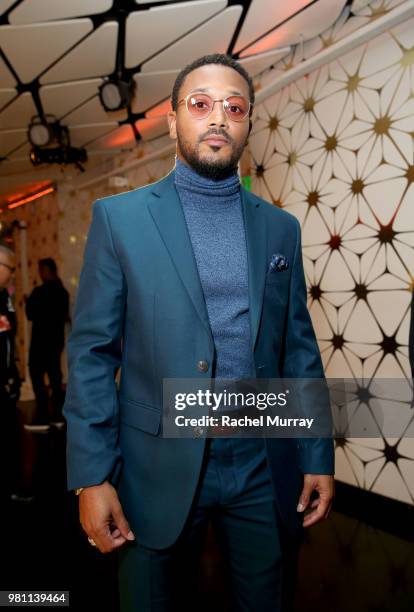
[200, 106]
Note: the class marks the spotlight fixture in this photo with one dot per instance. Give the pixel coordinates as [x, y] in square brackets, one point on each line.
[61, 155]
[42, 133]
[115, 93]
[44, 130]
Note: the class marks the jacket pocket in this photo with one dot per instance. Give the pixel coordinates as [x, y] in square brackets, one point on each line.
[141, 416]
[281, 277]
[277, 291]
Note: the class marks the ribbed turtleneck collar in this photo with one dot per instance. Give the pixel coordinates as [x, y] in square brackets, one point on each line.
[188, 179]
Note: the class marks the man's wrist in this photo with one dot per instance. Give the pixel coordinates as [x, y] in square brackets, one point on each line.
[79, 490]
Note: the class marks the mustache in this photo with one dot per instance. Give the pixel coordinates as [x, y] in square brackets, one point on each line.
[216, 132]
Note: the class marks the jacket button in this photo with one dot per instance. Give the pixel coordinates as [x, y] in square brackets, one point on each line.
[198, 432]
[202, 366]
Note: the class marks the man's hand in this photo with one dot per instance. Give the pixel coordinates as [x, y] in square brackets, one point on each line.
[102, 518]
[324, 484]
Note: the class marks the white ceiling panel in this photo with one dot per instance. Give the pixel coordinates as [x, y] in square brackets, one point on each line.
[11, 139]
[5, 4]
[82, 134]
[60, 99]
[357, 5]
[31, 11]
[93, 112]
[31, 49]
[6, 77]
[310, 22]
[211, 37]
[93, 57]
[121, 138]
[18, 113]
[152, 128]
[22, 152]
[10, 168]
[6, 95]
[257, 63]
[151, 88]
[264, 15]
[149, 31]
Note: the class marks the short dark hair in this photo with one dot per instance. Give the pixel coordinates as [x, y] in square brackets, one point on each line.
[48, 262]
[215, 58]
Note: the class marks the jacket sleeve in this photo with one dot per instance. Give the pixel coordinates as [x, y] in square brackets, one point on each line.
[302, 360]
[94, 357]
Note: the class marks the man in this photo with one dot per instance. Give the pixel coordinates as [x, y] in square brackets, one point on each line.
[10, 463]
[175, 284]
[48, 309]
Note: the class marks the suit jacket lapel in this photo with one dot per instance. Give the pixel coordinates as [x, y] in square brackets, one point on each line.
[256, 241]
[166, 210]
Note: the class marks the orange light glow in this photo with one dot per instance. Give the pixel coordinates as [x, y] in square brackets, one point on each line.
[152, 127]
[23, 192]
[271, 42]
[122, 137]
[160, 110]
[31, 198]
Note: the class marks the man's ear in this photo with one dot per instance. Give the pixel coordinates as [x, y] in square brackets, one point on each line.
[172, 124]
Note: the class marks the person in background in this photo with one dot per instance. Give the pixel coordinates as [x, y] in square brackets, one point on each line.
[48, 309]
[10, 447]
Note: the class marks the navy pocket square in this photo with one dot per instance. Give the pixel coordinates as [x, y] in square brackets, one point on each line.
[278, 262]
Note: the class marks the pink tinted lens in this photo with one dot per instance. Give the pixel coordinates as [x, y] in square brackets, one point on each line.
[199, 105]
[236, 107]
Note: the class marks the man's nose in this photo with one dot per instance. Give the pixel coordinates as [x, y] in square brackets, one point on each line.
[217, 115]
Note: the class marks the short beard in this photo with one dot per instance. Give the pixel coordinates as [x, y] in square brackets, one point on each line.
[215, 170]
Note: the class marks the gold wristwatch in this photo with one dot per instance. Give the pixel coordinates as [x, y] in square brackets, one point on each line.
[79, 491]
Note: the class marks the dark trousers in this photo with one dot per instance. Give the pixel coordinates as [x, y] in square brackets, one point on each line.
[46, 360]
[235, 493]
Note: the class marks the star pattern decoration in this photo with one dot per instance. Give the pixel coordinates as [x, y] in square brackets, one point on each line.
[335, 148]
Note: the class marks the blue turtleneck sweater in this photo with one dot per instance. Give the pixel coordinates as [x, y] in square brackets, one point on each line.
[214, 218]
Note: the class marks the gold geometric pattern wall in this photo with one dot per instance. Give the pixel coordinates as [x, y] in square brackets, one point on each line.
[335, 149]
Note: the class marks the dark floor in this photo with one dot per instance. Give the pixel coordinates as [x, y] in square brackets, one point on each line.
[346, 565]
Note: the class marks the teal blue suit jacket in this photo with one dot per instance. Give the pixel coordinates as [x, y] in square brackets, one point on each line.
[140, 307]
